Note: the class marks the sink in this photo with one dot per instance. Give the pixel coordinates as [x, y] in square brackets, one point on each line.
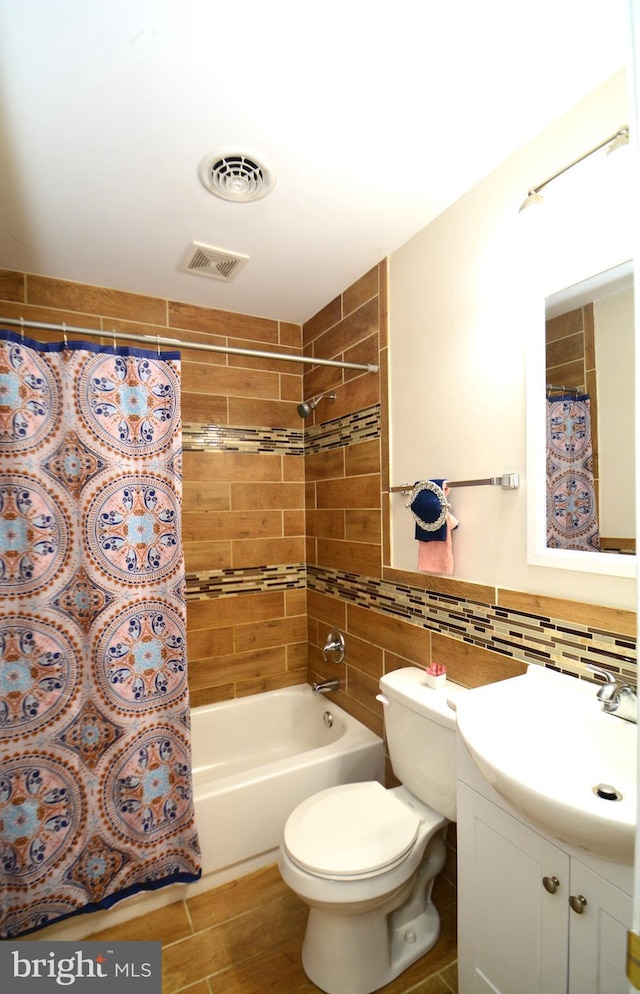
[543, 742]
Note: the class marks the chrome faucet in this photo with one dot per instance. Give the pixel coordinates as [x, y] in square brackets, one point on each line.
[335, 643]
[620, 699]
[325, 686]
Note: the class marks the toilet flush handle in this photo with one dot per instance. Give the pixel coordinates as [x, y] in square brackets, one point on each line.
[383, 699]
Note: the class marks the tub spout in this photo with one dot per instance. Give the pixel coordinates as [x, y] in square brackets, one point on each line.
[325, 687]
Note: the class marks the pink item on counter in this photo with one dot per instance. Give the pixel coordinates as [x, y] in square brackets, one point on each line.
[436, 669]
[436, 676]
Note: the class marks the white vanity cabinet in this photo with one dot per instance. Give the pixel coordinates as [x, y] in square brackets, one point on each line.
[534, 917]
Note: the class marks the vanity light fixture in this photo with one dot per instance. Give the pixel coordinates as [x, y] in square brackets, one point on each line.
[618, 140]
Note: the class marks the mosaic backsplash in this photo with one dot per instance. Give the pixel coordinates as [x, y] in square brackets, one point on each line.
[252, 580]
[227, 438]
[348, 430]
[518, 635]
[525, 637]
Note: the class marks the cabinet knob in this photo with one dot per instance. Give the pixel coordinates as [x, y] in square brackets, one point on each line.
[550, 884]
[578, 903]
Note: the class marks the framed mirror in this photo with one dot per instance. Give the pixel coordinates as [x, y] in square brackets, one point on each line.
[580, 428]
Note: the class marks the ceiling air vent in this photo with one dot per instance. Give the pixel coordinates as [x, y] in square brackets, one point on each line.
[205, 260]
[237, 176]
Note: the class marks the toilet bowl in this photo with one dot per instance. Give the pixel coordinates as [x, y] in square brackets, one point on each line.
[369, 922]
[364, 858]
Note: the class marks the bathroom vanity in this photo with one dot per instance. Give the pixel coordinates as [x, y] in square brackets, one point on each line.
[537, 915]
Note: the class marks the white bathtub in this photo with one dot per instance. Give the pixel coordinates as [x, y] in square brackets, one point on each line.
[254, 759]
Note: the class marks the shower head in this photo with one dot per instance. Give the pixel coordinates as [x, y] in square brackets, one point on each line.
[307, 406]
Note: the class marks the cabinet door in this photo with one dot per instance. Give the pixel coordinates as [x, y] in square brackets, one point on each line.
[598, 934]
[513, 933]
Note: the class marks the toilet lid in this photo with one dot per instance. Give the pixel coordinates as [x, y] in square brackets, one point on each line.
[350, 830]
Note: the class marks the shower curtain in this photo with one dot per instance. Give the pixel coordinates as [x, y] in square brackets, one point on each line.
[572, 520]
[95, 772]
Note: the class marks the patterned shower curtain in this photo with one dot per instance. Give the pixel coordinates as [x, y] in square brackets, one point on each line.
[572, 520]
[95, 770]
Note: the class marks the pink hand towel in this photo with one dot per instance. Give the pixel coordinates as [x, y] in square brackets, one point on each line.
[437, 557]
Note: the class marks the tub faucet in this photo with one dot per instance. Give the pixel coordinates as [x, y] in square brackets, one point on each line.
[325, 686]
[620, 699]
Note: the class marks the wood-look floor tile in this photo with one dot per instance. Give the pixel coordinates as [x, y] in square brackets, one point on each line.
[164, 925]
[236, 897]
[248, 940]
[202, 987]
[298, 911]
[434, 985]
[220, 948]
[450, 976]
[444, 893]
[277, 971]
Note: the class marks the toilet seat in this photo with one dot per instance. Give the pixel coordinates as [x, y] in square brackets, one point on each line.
[353, 830]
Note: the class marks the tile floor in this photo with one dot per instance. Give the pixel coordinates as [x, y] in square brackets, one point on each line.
[245, 938]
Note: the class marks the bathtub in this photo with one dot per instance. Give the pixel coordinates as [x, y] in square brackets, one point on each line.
[254, 760]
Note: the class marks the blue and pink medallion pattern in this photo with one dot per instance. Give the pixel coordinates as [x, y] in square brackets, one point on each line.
[572, 518]
[96, 797]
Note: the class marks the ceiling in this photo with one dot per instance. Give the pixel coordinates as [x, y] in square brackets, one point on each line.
[374, 115]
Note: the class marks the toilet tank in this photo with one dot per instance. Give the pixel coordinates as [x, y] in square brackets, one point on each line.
[421, 736]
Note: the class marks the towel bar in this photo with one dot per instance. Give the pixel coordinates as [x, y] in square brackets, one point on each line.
[508, 481]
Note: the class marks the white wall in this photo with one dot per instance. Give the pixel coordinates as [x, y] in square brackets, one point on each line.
[613, 320]
[466, 295]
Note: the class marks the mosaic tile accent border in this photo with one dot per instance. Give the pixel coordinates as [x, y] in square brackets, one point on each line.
[254, 579]
[227, 438]
[348, 430]
[337, 433]
[525, 637]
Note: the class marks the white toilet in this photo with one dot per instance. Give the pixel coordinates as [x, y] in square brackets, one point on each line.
[365, 858]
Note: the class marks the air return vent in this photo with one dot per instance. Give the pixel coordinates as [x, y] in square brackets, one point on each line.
[237, 176]
[205, 260]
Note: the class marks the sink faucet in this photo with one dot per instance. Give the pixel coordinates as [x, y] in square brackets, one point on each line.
[325, 687]
[620, 699]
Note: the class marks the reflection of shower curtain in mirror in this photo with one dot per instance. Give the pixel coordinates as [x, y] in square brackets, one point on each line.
[95, 770]
[572, 520]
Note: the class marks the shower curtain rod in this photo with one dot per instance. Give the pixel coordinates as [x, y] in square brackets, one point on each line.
[550, 388]
[157, 341]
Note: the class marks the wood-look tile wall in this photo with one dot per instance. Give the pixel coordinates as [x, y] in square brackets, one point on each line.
[346, 493]
[240, 509]
[254, 622]
[570, 350]
[348, 541]
[343, 483]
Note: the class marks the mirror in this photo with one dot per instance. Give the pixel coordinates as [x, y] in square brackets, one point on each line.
[581, 428]
[589, 351]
